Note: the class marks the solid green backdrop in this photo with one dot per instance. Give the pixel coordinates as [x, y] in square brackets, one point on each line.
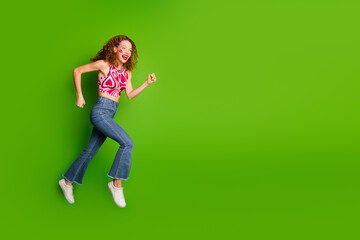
[250, 132]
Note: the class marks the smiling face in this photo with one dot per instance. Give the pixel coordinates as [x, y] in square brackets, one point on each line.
[124, 51]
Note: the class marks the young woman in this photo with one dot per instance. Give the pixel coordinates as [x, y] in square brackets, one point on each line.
[114, 61]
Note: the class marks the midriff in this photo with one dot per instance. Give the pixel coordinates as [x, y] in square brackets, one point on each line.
[116, 99]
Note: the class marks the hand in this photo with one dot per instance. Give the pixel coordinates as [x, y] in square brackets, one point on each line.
[151, 78]
[80, 102]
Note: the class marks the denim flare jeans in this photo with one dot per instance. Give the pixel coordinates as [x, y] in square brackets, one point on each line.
[101, 117]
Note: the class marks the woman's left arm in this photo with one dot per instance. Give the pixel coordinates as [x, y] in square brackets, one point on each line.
[130, 92]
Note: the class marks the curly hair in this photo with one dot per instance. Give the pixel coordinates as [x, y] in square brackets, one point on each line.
[107, 53]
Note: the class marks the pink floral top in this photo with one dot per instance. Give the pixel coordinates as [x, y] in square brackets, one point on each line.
[114, 82]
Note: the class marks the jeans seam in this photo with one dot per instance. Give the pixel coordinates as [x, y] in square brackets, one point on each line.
[117, 169]
[107, 123]
[71, 181]
[118, 178]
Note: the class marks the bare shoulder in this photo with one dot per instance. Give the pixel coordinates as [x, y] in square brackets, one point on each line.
[103, 66]
[99, 65]
[128, 73]
[103, 63]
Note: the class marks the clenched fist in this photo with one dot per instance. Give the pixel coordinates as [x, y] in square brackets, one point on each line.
[151, 78]
[80, 102]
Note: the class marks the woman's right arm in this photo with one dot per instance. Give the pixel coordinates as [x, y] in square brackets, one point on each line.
[94, 66]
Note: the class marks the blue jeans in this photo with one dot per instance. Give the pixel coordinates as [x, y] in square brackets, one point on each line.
[101, 117]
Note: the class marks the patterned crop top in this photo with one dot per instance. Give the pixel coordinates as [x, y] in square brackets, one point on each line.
[114, 82]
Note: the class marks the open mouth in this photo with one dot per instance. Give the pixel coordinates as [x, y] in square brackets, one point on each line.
[125, 57]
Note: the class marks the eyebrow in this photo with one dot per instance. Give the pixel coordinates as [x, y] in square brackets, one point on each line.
[124, 46]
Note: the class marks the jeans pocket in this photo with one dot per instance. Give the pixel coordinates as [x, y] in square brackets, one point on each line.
[99, 104]
[102, 112]
[97, 114]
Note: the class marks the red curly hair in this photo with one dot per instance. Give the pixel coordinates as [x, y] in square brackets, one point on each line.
[107, 53]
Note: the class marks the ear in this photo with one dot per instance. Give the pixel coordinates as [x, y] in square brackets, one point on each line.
[115, 49]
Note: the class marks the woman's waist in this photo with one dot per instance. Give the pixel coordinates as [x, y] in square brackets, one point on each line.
[106, 103]
[108, 96]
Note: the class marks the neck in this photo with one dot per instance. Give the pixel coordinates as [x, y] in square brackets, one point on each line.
[119, 64]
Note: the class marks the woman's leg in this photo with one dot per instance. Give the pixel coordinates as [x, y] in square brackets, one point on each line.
[77, 170]
[121, 166]
[117, 183]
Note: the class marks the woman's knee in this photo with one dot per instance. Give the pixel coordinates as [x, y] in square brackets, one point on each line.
[128, 143]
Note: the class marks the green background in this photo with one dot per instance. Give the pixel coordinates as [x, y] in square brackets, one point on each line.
[250, 132]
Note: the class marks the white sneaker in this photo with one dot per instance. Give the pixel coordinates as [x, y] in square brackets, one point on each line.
[68, 191]
[118, 194]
